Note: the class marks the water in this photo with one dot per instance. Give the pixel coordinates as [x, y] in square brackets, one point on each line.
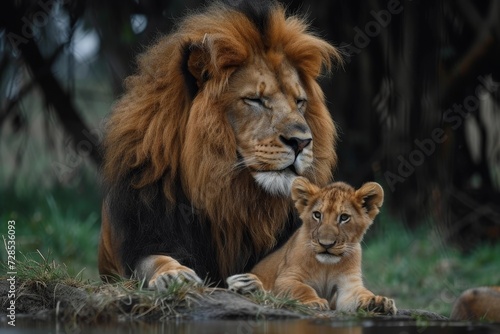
[363, 326]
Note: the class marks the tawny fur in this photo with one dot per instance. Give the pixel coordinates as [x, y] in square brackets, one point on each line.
[334, 280]
[479, 304]
[160, 130]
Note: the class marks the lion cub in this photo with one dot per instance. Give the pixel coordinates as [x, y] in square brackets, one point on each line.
[320, 265]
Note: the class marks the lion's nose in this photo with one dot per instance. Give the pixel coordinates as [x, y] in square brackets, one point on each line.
[326, 244]
[297, 144]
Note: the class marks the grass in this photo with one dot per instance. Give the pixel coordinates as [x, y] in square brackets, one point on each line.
[44, 270]
[421, 272]
[280, 302]
[63, 222]
[86, 301]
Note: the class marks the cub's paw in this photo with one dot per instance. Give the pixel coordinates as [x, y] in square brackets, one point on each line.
[163, 280]
[320, 304]
[244, 284]
[378, 304]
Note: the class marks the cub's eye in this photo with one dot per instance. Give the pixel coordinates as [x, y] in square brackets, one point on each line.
[344, 218]
[300, 102]
[317, 215]
[254, 101]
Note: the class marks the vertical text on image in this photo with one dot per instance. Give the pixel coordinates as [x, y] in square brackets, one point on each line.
[10, 247]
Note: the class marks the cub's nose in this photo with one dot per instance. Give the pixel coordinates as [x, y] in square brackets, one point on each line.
[326, 244]
[297, 144]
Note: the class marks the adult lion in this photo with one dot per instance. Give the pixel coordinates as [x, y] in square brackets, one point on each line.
[201, 150]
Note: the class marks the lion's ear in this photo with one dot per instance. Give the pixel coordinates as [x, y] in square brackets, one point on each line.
[212, 56]
[302, 191]
[197, 61]
[191, 70]
[371, 198]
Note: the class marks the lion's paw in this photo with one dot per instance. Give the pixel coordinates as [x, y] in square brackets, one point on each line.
[379, 304]
[244, 283]
[165, 279]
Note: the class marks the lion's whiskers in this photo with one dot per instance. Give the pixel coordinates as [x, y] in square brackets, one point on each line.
[245, 162]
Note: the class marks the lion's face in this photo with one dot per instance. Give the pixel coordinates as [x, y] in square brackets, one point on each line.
[336, 216]
[267, 114]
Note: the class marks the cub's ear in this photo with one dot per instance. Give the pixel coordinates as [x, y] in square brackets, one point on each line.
[302, 191]
[371, 198]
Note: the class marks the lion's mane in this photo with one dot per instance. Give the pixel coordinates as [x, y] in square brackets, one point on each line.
[170, 152]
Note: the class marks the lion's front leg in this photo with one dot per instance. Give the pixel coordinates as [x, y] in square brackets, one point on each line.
[244, 283]
[160, 271]
[301, 291]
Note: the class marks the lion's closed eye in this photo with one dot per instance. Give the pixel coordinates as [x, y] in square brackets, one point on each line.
[301, 102]
[257, 102]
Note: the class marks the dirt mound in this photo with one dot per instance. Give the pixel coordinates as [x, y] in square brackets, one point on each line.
[91, 304]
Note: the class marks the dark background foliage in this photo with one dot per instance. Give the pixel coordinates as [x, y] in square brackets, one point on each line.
[416, 102]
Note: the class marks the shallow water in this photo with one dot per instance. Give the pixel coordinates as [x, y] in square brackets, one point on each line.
[255, 326]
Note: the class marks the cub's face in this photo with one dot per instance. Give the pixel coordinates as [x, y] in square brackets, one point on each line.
[336, 216]
[267, 114]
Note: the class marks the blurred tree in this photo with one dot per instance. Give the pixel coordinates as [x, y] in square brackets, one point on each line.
[21, 23]
[135, 25]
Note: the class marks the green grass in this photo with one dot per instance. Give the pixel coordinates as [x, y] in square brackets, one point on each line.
[421, 272]
[41, 268]
[63, 222]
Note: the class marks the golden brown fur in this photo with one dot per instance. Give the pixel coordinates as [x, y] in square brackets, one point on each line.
[321, 263]
[478, 304]
[165, 135]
